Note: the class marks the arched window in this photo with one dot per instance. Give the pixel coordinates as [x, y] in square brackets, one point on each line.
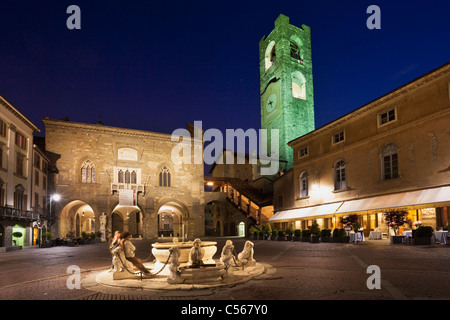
[389, 162]
[121, 177]
[298, 85]
[88, 172]
[340, 179]
[164, 177]
[303, 181]
[127, 176]
[295, 52]
[270, 55]
[133, 177]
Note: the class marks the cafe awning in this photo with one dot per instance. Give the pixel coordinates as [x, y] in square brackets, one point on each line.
[417, 199]
[408, 200]
[305, 212]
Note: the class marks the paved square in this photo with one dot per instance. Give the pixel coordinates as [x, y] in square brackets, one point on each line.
[294, 271]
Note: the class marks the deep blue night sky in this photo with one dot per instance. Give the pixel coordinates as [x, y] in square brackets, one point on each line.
[155, 65]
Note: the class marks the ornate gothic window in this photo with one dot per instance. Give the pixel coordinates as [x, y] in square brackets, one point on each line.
[303, 180]
[389, 162]
[88, 172]
[164, 177]
[340, 179]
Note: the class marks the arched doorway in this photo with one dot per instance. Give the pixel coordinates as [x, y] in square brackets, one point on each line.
[241, 229]
[172, 218]
[127, 218]
[218, 233]
[117, 222]
[76, 217]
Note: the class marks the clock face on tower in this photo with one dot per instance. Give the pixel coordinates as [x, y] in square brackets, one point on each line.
[271, 106]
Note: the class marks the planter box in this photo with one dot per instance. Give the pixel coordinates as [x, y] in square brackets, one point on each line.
[326, 239]
[289, 238]
[345, 239]
[422, 240]
[315, 239]
[281, 238]
[306, 239]
[296, 238]
[397, 239]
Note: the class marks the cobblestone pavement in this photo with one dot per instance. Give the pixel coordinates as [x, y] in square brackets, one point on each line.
[295, 271]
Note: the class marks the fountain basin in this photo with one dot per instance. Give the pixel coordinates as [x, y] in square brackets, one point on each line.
[161, 252]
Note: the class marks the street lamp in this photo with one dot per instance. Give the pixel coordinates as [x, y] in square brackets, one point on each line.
[54, 197]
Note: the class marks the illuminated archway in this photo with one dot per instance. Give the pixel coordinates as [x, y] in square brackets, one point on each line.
[172, 218]
[77, 217]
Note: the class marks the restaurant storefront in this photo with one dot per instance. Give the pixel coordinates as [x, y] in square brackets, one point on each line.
[429, 206]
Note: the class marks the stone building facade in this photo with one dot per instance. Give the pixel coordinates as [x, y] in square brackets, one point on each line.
[16, 179]
[127, 175]
[393, 152]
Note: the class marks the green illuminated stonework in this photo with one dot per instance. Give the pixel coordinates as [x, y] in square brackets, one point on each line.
[287, 101]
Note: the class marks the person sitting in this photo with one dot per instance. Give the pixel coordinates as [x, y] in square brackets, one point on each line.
[129, 249]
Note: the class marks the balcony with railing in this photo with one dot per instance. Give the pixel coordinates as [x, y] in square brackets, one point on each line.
[115, 187]
[14, 213]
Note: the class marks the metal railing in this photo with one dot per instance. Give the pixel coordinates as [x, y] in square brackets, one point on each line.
[7, 212]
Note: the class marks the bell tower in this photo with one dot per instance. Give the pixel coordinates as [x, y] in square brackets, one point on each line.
[286, 84]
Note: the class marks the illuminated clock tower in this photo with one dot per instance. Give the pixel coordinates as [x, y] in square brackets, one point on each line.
[286, 84]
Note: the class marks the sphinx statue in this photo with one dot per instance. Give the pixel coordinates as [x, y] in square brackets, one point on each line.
[122, 267]
[174, 276]
[245, 257]
[226, 258]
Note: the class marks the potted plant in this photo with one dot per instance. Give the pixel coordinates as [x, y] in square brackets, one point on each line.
[395, 219]
[274, 235]
[281, 235]
[325, 235]
[267, 231]
[423, 235]
[46, 237]
[289, 231]
[336, 236]
[297, 235]
[306, 235]
[261, 235]
[315, 232]
[344, 237]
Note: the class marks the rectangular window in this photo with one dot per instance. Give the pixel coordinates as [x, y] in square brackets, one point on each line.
[2, 128]
[390, 163]
[303, 152]
[280, 200]
[21, 141]
[36, 177]
[19, 165]
[338, 137]
[386, 117]
[36, 200]
[37, 161]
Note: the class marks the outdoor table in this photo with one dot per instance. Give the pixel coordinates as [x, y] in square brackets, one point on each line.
[375, 235]
[407, 234]
[441, 236]
[356, 236]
